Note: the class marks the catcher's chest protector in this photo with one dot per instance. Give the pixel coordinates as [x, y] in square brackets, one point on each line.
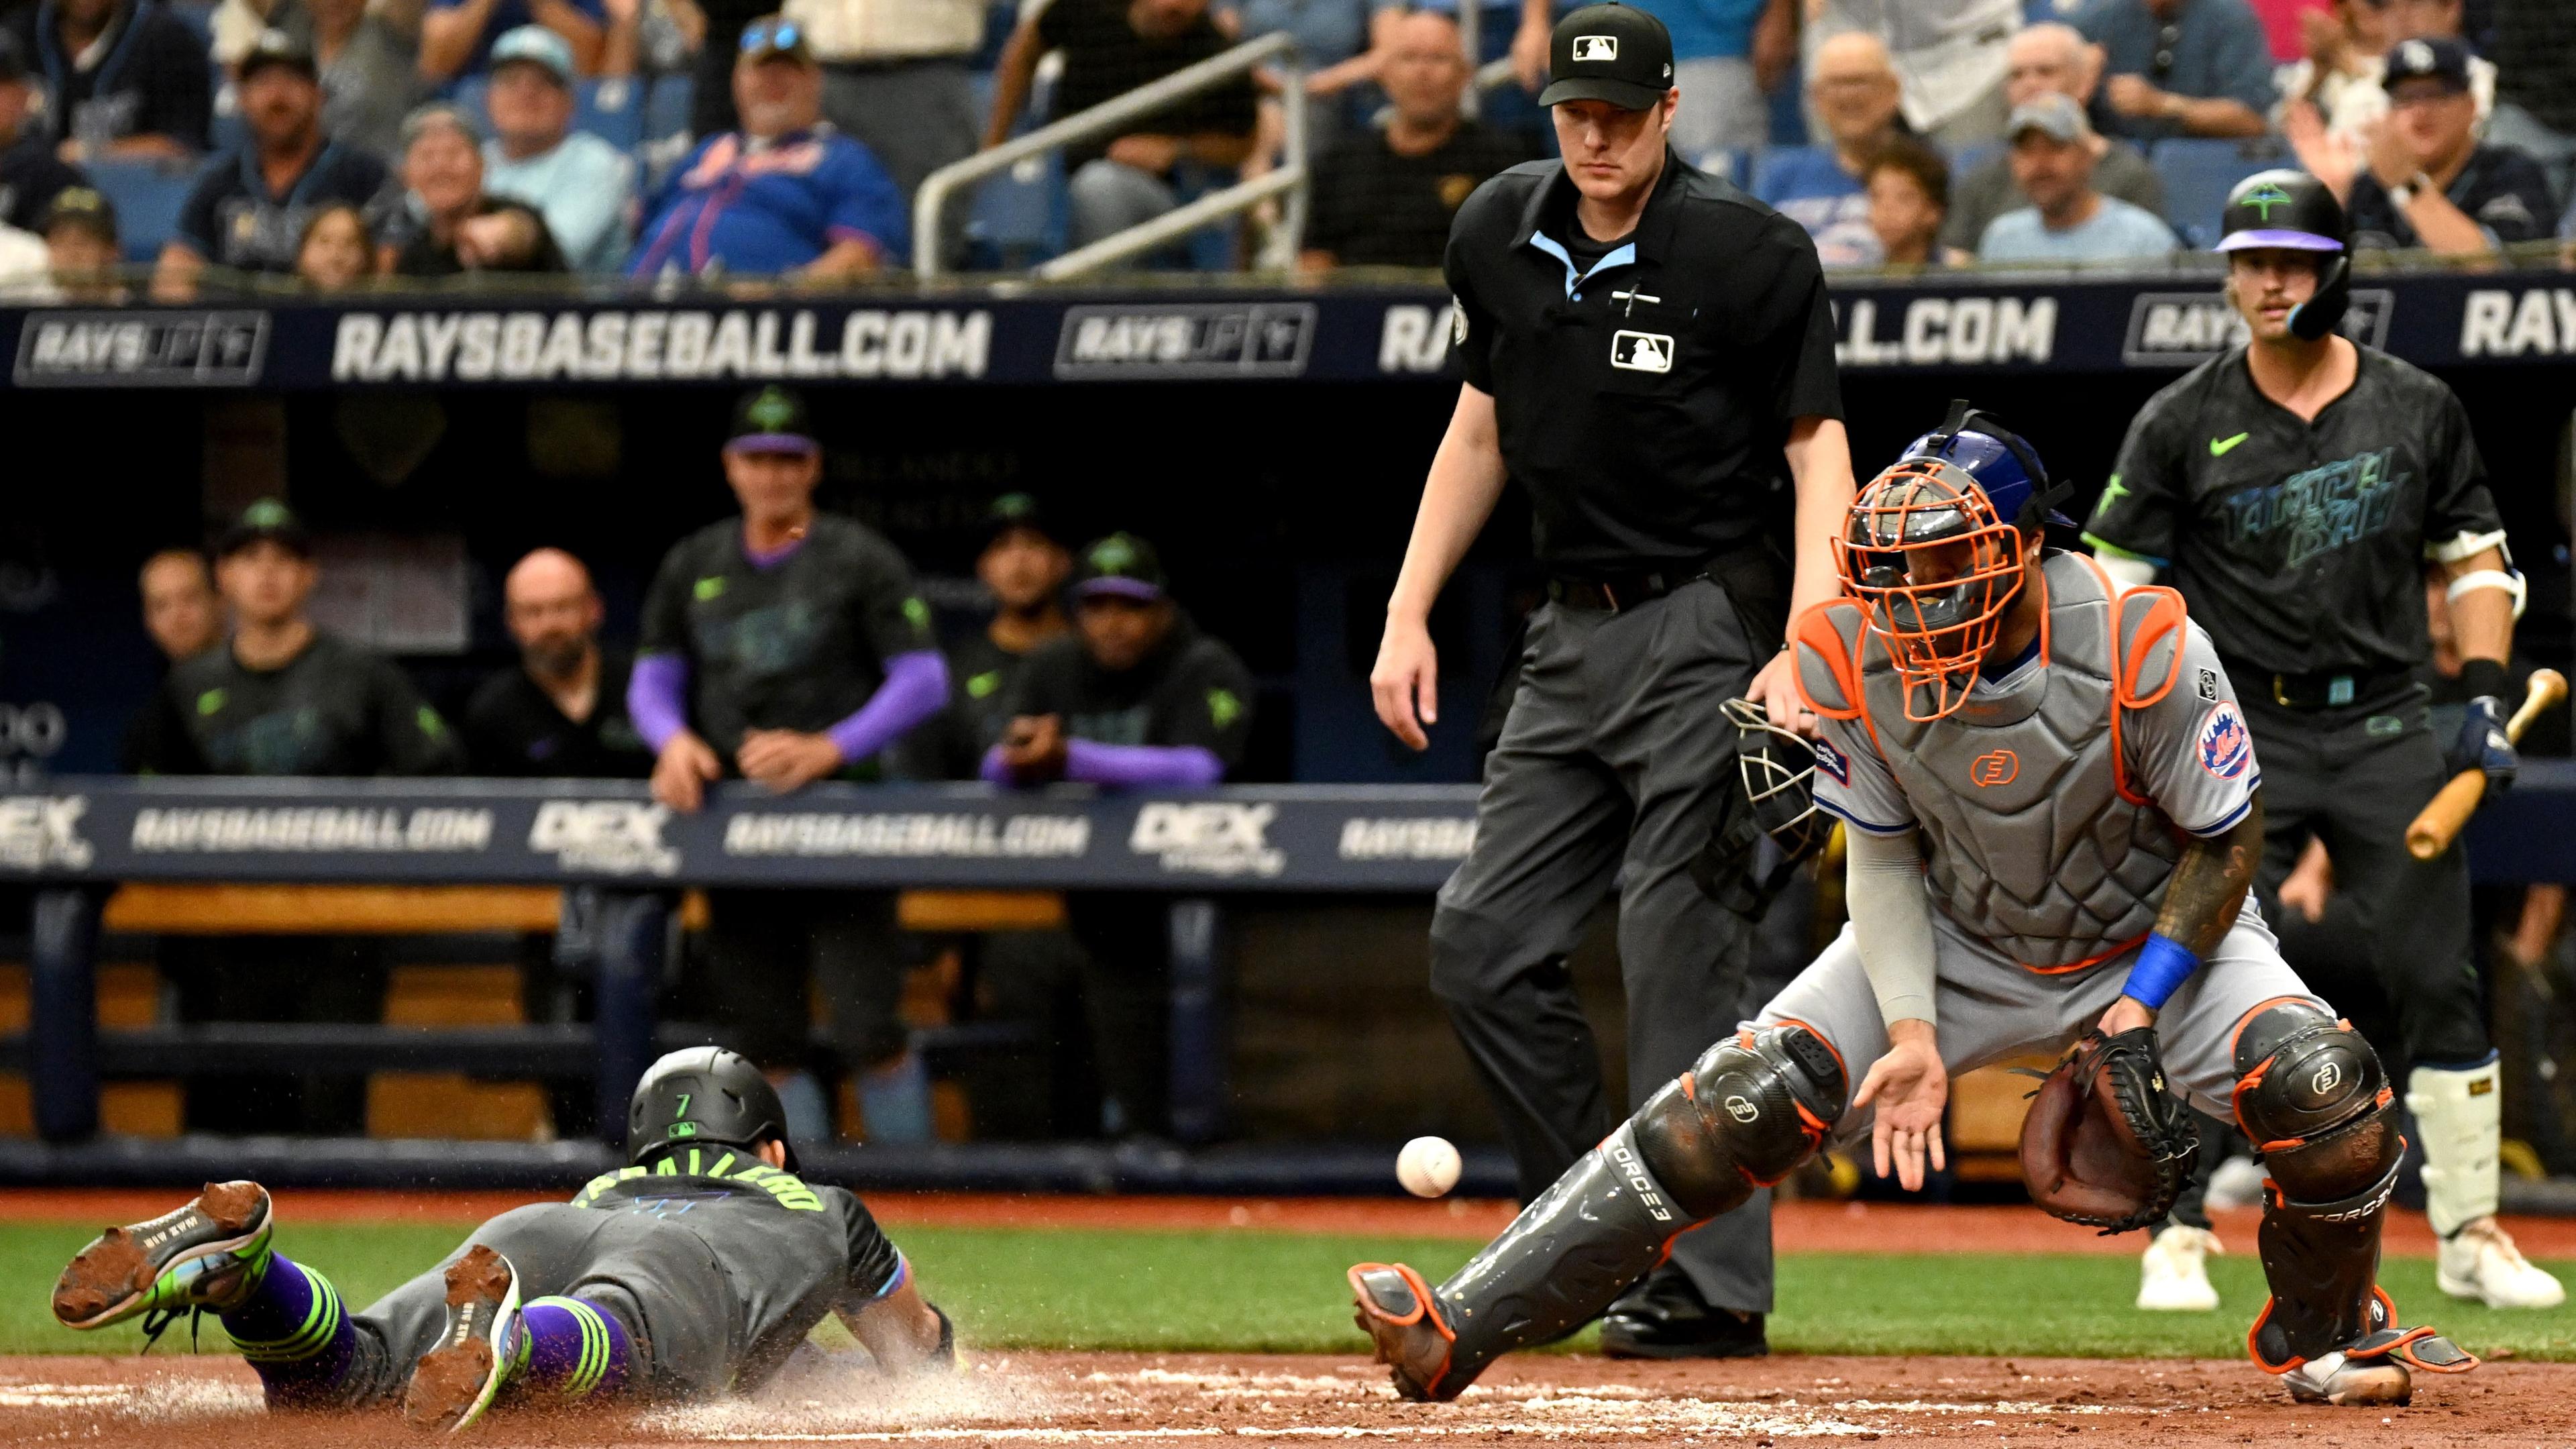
[2028, 839]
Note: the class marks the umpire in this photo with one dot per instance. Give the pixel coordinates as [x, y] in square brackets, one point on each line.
[2296, 489]
[1649, 352]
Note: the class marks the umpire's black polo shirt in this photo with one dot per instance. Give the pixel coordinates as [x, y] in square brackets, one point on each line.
[1643, 398]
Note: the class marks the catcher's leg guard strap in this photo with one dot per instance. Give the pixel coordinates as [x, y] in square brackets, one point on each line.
[1604, 1225]
[2322, 1262]
[2460, 1112]
[1744, 1116]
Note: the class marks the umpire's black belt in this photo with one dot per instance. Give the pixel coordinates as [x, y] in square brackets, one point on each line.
[2323, 689]
[1753, 575]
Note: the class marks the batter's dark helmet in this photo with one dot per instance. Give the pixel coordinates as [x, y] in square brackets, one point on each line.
[704, 1095]
[2293, 211]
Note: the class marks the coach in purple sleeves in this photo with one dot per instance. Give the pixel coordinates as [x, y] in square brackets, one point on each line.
[1135, 698]
[787, 646]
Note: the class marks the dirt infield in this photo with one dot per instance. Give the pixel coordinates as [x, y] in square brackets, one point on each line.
[1797, 1227]
[1083, 1399]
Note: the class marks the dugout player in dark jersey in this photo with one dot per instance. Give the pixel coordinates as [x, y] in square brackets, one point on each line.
[561, 711]
[696, 1272]
[2294, 490]
[1138, 698]
[1649, 354]
[281, 697]
[786, 646]
[1023, 565]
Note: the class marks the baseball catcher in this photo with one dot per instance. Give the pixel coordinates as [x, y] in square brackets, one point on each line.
[2053, 816]
[696, 1271]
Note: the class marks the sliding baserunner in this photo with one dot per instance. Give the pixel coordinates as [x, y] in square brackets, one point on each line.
[694, 1272]
[2053, 817]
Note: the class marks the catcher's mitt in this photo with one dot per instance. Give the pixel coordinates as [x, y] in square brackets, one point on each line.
[2104, 1143]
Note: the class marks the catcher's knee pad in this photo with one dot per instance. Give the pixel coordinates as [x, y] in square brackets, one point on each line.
[1744, 1116]
[2309, 1094]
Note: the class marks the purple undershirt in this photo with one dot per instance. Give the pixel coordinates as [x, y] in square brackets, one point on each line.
[1125, 766]
[915, 687]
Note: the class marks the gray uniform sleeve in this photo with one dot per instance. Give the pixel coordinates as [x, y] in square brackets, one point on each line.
[1853, 781]
[2190, 751]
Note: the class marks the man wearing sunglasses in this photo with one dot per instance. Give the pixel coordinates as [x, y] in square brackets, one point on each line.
[2179, 68]
[786, 195]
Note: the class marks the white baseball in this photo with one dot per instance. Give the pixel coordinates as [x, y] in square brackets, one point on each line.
[1428, 1166]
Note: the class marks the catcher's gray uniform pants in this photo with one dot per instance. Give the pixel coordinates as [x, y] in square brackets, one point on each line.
[1991, 1008]
[658, 1280]
[1613, 762]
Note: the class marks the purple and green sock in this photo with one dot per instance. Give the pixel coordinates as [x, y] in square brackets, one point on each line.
[291, 1328]
[570, 1348]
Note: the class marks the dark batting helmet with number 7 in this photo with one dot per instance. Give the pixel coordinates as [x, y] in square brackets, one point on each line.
[704, 1095]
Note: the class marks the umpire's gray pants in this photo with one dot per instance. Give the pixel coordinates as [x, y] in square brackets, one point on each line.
[1612, 763]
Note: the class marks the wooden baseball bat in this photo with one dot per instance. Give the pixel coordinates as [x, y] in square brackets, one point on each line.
[2440, 822]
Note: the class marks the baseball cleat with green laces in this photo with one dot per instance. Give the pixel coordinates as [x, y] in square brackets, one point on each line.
[206, 1256]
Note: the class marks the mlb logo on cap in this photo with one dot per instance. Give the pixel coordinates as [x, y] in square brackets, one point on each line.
[1614, 53]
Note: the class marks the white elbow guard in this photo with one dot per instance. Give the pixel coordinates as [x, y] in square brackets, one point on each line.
[2509, 580]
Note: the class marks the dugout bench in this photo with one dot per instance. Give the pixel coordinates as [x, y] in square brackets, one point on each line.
[452, 854]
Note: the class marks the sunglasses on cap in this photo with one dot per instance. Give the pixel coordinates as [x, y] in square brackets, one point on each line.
[762, 35]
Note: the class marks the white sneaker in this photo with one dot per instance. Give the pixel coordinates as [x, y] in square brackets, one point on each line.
[2328, 1379]
[2481, 1262]
[2172, 1277]
[2238, 1183]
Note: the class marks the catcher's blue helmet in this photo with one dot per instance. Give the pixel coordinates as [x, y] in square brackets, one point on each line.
[2006, 468]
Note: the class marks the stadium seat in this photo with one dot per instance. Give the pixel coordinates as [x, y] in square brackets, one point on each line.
[613, 110]
[147, 200]
[1775, 159]
[2198, 175]
[666, 106]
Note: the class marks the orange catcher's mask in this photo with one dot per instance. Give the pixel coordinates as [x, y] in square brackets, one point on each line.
[1935, 570]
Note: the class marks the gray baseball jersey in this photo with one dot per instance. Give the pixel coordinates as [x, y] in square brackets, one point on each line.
[2048, 804]
[717, 1268]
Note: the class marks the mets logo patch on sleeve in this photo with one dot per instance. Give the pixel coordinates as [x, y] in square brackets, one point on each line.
[1830, 761]
[2226, 750]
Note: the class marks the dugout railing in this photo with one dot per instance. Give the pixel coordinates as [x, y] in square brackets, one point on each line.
[75, 839]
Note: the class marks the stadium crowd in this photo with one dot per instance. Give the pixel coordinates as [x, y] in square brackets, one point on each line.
[782, 646]
[330, 143]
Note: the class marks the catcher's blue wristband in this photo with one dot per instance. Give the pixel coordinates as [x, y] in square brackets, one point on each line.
[2164, 964]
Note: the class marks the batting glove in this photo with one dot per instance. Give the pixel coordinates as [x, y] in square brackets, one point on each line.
[2481, 745]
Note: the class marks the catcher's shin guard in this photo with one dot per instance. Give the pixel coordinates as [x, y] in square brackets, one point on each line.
[1753, 1108]
[2312, 1097]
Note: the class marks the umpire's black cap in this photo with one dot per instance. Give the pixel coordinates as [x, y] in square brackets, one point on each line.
[704, 1095]
[1614, 53]
[267, 521]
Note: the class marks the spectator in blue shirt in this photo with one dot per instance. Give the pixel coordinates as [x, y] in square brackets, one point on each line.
[785, 194]
[1726, 54]
[456, 36]
[2179, 67]
[1855, 92]
[2067, 220]
[248, 207]
[576, 180]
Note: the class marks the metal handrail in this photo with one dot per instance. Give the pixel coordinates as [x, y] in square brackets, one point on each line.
[1289, 177]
